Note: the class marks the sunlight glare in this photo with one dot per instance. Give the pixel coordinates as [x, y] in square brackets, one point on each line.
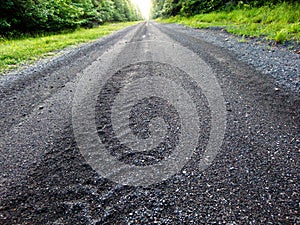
[144, 6]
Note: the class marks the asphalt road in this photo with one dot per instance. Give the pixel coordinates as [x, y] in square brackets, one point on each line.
[148, 126]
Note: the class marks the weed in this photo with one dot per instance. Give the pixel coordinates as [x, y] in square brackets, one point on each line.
[242, 40]
[281, 36]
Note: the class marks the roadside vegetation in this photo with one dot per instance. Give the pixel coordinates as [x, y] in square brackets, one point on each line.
[27, 49]
[35, 16]
[33, 29]
[279, 22]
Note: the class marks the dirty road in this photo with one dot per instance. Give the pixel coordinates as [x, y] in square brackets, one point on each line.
[151, 125]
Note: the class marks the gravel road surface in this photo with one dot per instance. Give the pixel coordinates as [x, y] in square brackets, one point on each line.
[155, 124]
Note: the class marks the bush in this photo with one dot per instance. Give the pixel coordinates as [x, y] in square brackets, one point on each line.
[167, 8]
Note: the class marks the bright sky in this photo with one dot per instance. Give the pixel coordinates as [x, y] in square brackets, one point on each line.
[145, 7]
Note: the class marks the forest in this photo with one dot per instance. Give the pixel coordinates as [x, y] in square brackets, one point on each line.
[31, 16]
[167, 8]
[39, 16]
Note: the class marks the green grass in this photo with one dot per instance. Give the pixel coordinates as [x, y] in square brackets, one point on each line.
[17, 52]
[279, 23]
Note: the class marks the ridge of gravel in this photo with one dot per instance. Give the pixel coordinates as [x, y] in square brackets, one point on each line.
[275, 61]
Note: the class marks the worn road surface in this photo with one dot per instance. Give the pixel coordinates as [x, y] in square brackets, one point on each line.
[148, 126]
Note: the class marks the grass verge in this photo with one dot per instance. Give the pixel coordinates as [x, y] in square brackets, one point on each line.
[280, 22]
[17, 52]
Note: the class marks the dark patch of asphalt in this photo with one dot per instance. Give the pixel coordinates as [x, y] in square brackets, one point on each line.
[253, 180]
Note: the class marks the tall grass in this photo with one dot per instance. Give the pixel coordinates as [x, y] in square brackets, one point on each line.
[280, 22]
[25, 50]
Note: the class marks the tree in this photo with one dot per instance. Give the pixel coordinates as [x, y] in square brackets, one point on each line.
[166, 8]
[55, 15]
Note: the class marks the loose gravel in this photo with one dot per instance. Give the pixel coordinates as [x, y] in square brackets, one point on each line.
[253, 180]
[266, 57]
